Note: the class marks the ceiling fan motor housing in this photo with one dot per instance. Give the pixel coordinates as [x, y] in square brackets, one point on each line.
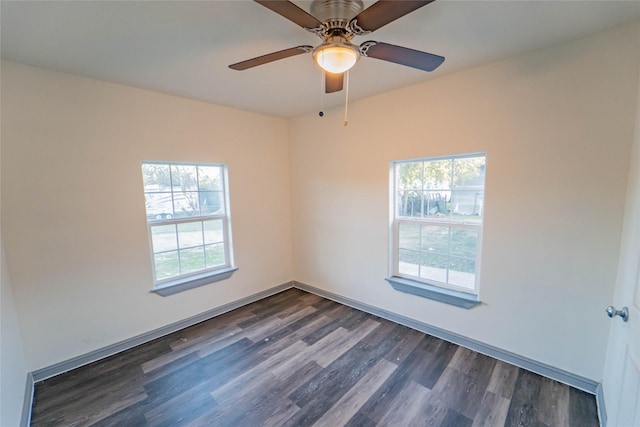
[341, 10]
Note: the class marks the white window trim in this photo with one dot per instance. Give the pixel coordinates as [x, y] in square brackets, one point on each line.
[176, 284]
[451, 294]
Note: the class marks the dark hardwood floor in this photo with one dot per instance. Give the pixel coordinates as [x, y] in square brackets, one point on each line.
[296, 359]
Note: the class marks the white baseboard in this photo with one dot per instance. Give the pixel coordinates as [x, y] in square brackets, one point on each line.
[25, 419]
[602, 408]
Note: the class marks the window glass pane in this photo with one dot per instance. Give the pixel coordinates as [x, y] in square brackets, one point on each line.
[437, 175]
[213, 231]
[186, 204]
[408, 262]
[156, 178]
[462, 272]
[211, 202]
[190, 234]
[175, 193]
[166, 264]
[191, 259]
[467, 203]
[214, 255]
[164, 238]
[209, 178]
[409, 203]
[469, 172]
[434, 267]
[409, 176]
[435, 239]
[159, 206]
[409, 236]
[464, 242]
[438, 218]
[184, 178]
[436, 203]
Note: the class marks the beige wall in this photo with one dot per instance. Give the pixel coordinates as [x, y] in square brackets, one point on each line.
[13, 366]
[74, 218]
[557, 127]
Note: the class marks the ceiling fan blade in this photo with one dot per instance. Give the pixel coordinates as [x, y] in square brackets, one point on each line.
[292, 12]
[270, 57]
[383, 12]
[333, 82]
[401, 55]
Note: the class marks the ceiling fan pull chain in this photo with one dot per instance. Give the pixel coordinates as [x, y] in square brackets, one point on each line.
[322, 89]
[346, 98]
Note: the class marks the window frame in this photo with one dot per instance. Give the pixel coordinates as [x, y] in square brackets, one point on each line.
[424, 286]
[196, 278]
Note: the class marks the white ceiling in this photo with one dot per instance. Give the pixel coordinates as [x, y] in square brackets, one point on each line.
[184, 47]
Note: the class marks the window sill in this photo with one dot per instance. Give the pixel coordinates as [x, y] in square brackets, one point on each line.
[447, 296]
[181, 285]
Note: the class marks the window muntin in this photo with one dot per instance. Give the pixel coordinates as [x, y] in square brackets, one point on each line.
[438, 206]
[188, 219]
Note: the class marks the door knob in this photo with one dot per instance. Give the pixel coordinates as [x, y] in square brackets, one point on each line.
[612, 312]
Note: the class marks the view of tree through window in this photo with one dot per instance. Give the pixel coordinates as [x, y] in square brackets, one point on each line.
[439, 206]
[187, 218]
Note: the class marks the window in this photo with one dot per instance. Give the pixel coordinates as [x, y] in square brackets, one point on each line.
[437, 208]
[188, 221]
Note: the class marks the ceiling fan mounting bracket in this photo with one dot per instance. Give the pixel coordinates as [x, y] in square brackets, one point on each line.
[336, 17]
[328, 10]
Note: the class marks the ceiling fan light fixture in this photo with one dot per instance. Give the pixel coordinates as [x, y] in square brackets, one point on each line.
[336, 57]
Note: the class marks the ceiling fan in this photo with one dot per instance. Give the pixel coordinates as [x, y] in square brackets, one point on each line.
[334, 22]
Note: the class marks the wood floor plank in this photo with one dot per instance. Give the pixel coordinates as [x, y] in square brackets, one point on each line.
[259, 376]
[493, 411]
[455, 419]
[406, 406]
[322, 332]
[296, 359]
[190, 342]
[90, 409]
[582, 409]
[180, 409]
[553, 403]
[325, 389]
[330, 351]
[360, 420]
[258, 407]
[478, 378]
[262, 330]
[405, 346]
[48, 401]
[447, 393]
[284, 369]
[349, 404]
[463, 359]
[522, 411]
[295, 334]
[381, 400]
[261, 409]
[64, 385]
[212, 327]
[503, 379]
